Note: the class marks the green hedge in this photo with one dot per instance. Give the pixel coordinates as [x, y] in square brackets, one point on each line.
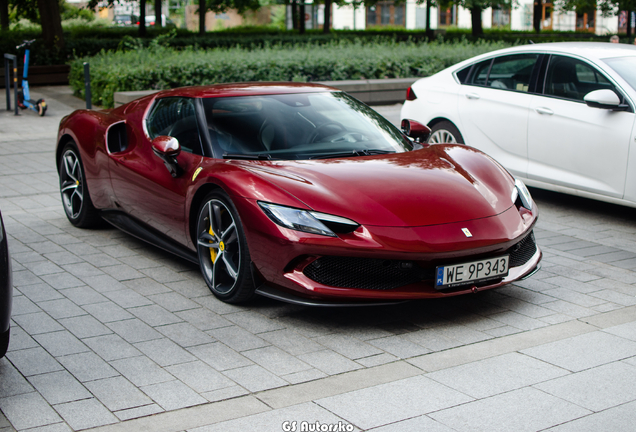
[160, 67]
[87, 41]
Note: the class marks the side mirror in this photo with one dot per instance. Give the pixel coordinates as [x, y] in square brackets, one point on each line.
[604, 99]
[415, 130]
[167, 149]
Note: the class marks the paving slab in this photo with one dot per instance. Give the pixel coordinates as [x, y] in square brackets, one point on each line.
[111, 334]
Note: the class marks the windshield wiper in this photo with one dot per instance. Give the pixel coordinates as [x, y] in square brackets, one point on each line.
[363, 152]
[259, 156]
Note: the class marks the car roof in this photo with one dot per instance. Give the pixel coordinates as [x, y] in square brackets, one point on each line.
[590, 50]
[245, 89]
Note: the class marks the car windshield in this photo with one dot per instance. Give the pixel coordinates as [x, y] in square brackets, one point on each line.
[299, 126]
[625, 67]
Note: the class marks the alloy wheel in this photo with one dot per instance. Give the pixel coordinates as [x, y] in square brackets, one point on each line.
[442, 136]
[219, 247]
[72, 184]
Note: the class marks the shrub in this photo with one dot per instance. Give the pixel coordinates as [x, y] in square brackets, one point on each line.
[83, 39]
[160, 67]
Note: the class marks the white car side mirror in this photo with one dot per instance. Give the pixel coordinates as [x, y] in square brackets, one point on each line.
[605, 99]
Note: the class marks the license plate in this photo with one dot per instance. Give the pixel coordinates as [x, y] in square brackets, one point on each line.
[475, 271]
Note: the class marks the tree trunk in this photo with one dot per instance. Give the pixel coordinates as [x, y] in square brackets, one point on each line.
[475, 19]
[536, 15]
[142, 18]
[202, 11]
[52, 24]
[327, 25]
[301, 18]
[294, 12]
[4, 14]
[429, 31]
[158, 22]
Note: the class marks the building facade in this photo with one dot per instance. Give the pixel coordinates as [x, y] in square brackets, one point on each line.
[411, 15]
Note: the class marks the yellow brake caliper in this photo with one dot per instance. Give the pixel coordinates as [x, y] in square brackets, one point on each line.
[212, 250]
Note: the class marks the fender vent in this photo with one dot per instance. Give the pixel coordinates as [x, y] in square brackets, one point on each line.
[117, 138]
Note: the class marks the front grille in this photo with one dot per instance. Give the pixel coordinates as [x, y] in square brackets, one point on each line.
[522, 251]
[379, 274]
[366, 273]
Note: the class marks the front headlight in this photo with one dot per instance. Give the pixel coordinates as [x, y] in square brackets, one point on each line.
[521, 191]
[307, 221]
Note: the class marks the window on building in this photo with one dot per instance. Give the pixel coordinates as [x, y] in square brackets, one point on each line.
[500, 17]
[586, 21]
[447, 15]
[622, 21]
[386, 14]
[546, 16]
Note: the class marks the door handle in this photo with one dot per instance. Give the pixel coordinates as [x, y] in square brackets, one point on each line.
[546, 111]
[472, 96]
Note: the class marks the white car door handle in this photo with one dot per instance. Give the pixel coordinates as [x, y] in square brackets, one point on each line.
[472, 96]
[546, 111]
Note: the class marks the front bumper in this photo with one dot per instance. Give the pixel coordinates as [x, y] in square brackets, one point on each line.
[281, 256]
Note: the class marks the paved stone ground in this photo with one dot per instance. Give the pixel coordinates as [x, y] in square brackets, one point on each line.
[113, 334]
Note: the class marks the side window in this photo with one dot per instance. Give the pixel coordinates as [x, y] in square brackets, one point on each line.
[512, 72]
[176, 117]
[479, 74]
[570, 78]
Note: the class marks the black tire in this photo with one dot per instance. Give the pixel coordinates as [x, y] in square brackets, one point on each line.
[76, 199]
[222, 249]
[41, 106]
[4, 342]
[442, 130]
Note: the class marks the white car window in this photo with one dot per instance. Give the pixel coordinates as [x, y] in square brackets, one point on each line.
[511, 72]
[570, 78]
[625, 67]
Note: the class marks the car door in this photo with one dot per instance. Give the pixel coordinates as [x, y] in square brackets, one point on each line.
[493, 108]
[143, 186]
[571, 144]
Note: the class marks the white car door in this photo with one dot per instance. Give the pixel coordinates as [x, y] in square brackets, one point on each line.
[493, 109]
[571, 144]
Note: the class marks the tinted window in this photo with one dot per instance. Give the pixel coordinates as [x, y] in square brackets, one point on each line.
[176, 117]
[462, 75]
[570, 78]
[479, 75]
[512, 72]
[299, 126]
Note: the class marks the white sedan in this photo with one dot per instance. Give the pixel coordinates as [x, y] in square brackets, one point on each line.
[559, 116]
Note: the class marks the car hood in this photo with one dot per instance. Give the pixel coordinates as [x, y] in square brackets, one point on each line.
[435, 185]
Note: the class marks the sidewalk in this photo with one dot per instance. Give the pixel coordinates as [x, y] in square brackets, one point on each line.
[111, 334]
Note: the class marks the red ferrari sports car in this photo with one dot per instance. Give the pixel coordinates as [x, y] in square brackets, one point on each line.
[298, 192]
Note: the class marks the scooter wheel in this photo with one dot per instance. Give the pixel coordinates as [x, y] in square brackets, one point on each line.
[21, 104]
[41, 107]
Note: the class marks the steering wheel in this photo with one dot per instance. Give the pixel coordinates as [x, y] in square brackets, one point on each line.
[318, 130]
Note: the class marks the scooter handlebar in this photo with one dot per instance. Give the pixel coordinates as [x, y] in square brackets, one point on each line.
[25, 43]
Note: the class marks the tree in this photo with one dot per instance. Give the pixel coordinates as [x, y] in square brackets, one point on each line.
[142, 18]
[51, 23]
[35, 9]
[326, 27]
[158, 20]
[476, 8]
[607, 8]
[537, 13]
[220, 6]
[4, 14]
